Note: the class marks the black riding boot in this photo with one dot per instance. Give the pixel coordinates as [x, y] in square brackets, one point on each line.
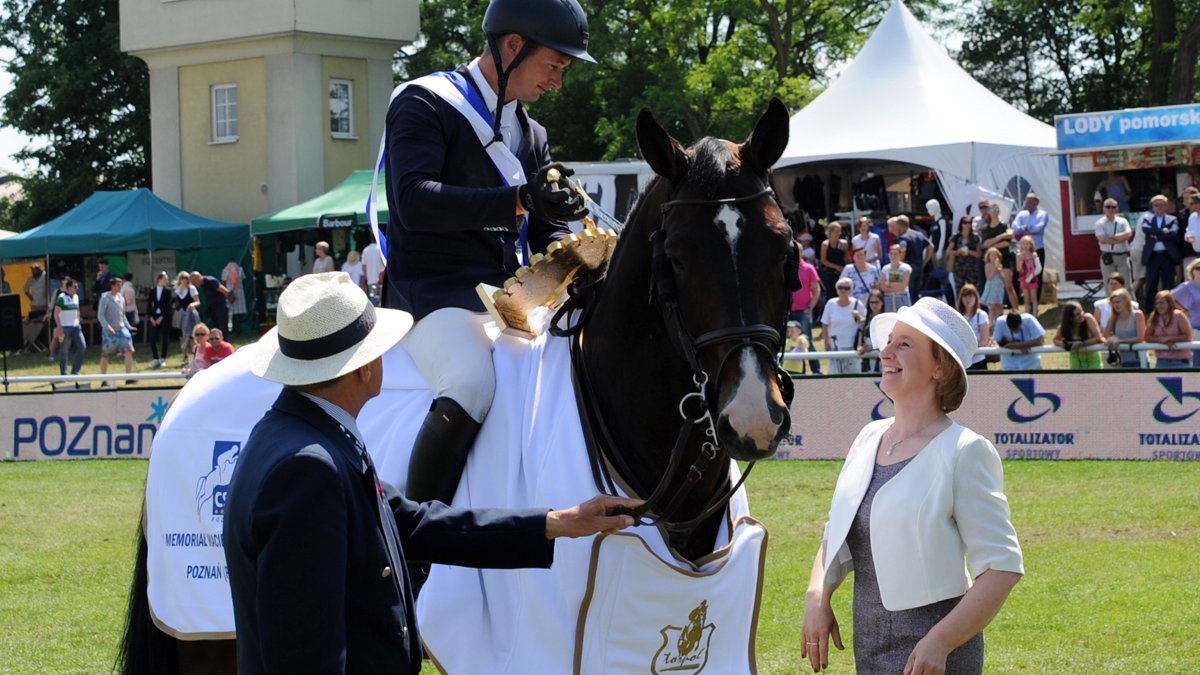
[438, 458]
[440, 452]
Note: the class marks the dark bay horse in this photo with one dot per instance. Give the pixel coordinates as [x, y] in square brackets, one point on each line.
[687, 319]
[698, 287]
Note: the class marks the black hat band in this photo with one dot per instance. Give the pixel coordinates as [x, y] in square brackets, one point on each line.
[334, 343]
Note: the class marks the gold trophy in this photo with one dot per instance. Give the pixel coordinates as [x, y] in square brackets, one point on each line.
[543, 283]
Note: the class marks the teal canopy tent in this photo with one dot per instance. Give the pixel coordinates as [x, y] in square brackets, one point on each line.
[129, 220]
[119, 222]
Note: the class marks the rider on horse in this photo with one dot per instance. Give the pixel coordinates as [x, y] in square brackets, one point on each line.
[466, 185]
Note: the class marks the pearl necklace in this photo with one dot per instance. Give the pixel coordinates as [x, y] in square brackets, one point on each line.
[892, 447]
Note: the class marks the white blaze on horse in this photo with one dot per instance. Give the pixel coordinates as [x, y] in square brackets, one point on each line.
[666, 373]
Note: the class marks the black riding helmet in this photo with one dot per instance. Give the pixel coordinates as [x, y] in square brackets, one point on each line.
[557, 24]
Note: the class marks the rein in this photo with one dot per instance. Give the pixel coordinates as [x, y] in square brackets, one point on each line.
[664, 295]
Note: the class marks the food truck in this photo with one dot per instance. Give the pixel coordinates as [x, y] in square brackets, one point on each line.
[1129, 155]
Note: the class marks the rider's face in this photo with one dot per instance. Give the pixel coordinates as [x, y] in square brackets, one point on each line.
[540, 72]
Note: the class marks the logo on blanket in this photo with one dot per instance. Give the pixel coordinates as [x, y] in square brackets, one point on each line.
[213, 486]
[685, 649]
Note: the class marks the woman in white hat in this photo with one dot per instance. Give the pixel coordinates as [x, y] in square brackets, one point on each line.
[918, 494]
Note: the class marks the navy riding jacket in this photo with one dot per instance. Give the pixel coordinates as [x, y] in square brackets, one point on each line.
[452, 221]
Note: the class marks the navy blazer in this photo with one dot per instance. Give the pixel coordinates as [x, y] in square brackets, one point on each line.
[452, 222]
[160, 306]
[318, 585]
[1168, 235]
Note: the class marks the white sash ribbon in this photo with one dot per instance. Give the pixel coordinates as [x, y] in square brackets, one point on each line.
[454, 89]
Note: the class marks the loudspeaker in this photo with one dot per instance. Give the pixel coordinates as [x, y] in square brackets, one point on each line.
[12, 336]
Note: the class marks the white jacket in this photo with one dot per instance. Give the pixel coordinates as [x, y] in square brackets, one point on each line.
[946, 505]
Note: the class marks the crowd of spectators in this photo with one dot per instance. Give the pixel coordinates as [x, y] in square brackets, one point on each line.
[992, 270]
[170, 310]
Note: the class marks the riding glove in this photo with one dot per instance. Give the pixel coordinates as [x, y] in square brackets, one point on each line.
[553, 201]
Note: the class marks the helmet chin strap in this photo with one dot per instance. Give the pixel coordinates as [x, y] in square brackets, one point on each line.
[502, 79]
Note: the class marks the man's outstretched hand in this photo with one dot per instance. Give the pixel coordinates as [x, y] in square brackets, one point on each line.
[596, 515]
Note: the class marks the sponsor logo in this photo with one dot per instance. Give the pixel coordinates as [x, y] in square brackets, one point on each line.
[158, 410]
[1027, 408]
[685, 649]
[1174, 387]
[213, 487]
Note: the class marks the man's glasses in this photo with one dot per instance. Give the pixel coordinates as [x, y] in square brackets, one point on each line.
[1109, 206]
[214, 339]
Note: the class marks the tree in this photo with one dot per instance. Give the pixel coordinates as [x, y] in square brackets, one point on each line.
[1064, 56]
[704, 68]
[74, 88]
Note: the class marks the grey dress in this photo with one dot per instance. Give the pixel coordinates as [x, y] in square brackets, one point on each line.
[883, 640]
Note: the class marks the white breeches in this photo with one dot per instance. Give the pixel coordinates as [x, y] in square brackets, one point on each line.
[453, 351]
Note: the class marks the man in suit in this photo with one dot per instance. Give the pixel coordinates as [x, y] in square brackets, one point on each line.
[1161, 253]
[158, 305]
[315, 543]
[467, 188]
[103, 282]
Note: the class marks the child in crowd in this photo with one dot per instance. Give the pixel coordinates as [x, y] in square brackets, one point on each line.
[1029, 267]
[993, 288]
[796, 343]
[978, 319]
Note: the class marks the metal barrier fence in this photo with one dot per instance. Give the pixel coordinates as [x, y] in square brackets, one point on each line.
[987, 351]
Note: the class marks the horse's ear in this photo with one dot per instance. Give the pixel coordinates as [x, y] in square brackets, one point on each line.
[770, 136]
[663, 153]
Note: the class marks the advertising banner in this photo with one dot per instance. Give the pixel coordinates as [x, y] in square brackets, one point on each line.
[1046, 415]
[1145, 126]
[82, 425]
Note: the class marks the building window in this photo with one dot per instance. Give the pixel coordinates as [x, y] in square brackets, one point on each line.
[341, 108]
[224, 113]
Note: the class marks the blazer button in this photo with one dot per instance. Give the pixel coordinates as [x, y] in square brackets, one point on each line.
[387, 571]
[404, 632]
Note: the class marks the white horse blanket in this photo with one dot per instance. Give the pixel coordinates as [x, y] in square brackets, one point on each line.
[609, 604]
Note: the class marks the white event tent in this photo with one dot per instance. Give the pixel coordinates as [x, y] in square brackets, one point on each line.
[904, 100]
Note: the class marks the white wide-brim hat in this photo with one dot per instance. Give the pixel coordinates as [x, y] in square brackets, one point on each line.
[325, 327]
[935, 319]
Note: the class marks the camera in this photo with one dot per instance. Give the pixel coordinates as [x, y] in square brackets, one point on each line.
[1114, 359]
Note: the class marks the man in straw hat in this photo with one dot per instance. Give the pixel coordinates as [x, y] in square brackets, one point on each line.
[314, 542]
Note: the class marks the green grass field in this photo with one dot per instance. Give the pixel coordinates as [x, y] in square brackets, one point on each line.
[1111, 548]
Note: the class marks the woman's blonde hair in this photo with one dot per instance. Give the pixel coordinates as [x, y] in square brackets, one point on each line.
[1119, 294]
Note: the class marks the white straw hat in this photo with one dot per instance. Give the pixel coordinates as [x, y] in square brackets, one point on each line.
[326, 327]
[940, 322]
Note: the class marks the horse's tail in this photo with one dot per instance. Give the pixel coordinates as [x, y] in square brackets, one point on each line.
[144, 649]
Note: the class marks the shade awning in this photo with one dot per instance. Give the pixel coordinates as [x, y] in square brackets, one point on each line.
[343, 206]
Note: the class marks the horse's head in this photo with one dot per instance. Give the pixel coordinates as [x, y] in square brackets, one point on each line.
[724, 244]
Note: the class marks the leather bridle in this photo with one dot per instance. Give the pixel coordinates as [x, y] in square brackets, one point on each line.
[664, 295]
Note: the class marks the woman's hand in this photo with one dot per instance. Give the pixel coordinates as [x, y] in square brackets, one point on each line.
[819, 626]
[927, 658]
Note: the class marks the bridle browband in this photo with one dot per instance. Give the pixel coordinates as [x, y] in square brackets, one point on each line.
[756, 336]
[667, 206]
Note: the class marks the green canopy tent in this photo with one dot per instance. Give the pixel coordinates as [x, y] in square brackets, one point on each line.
[343, 206]
[117, 222]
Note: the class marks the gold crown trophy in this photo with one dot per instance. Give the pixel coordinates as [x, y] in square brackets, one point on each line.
[543, 282]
